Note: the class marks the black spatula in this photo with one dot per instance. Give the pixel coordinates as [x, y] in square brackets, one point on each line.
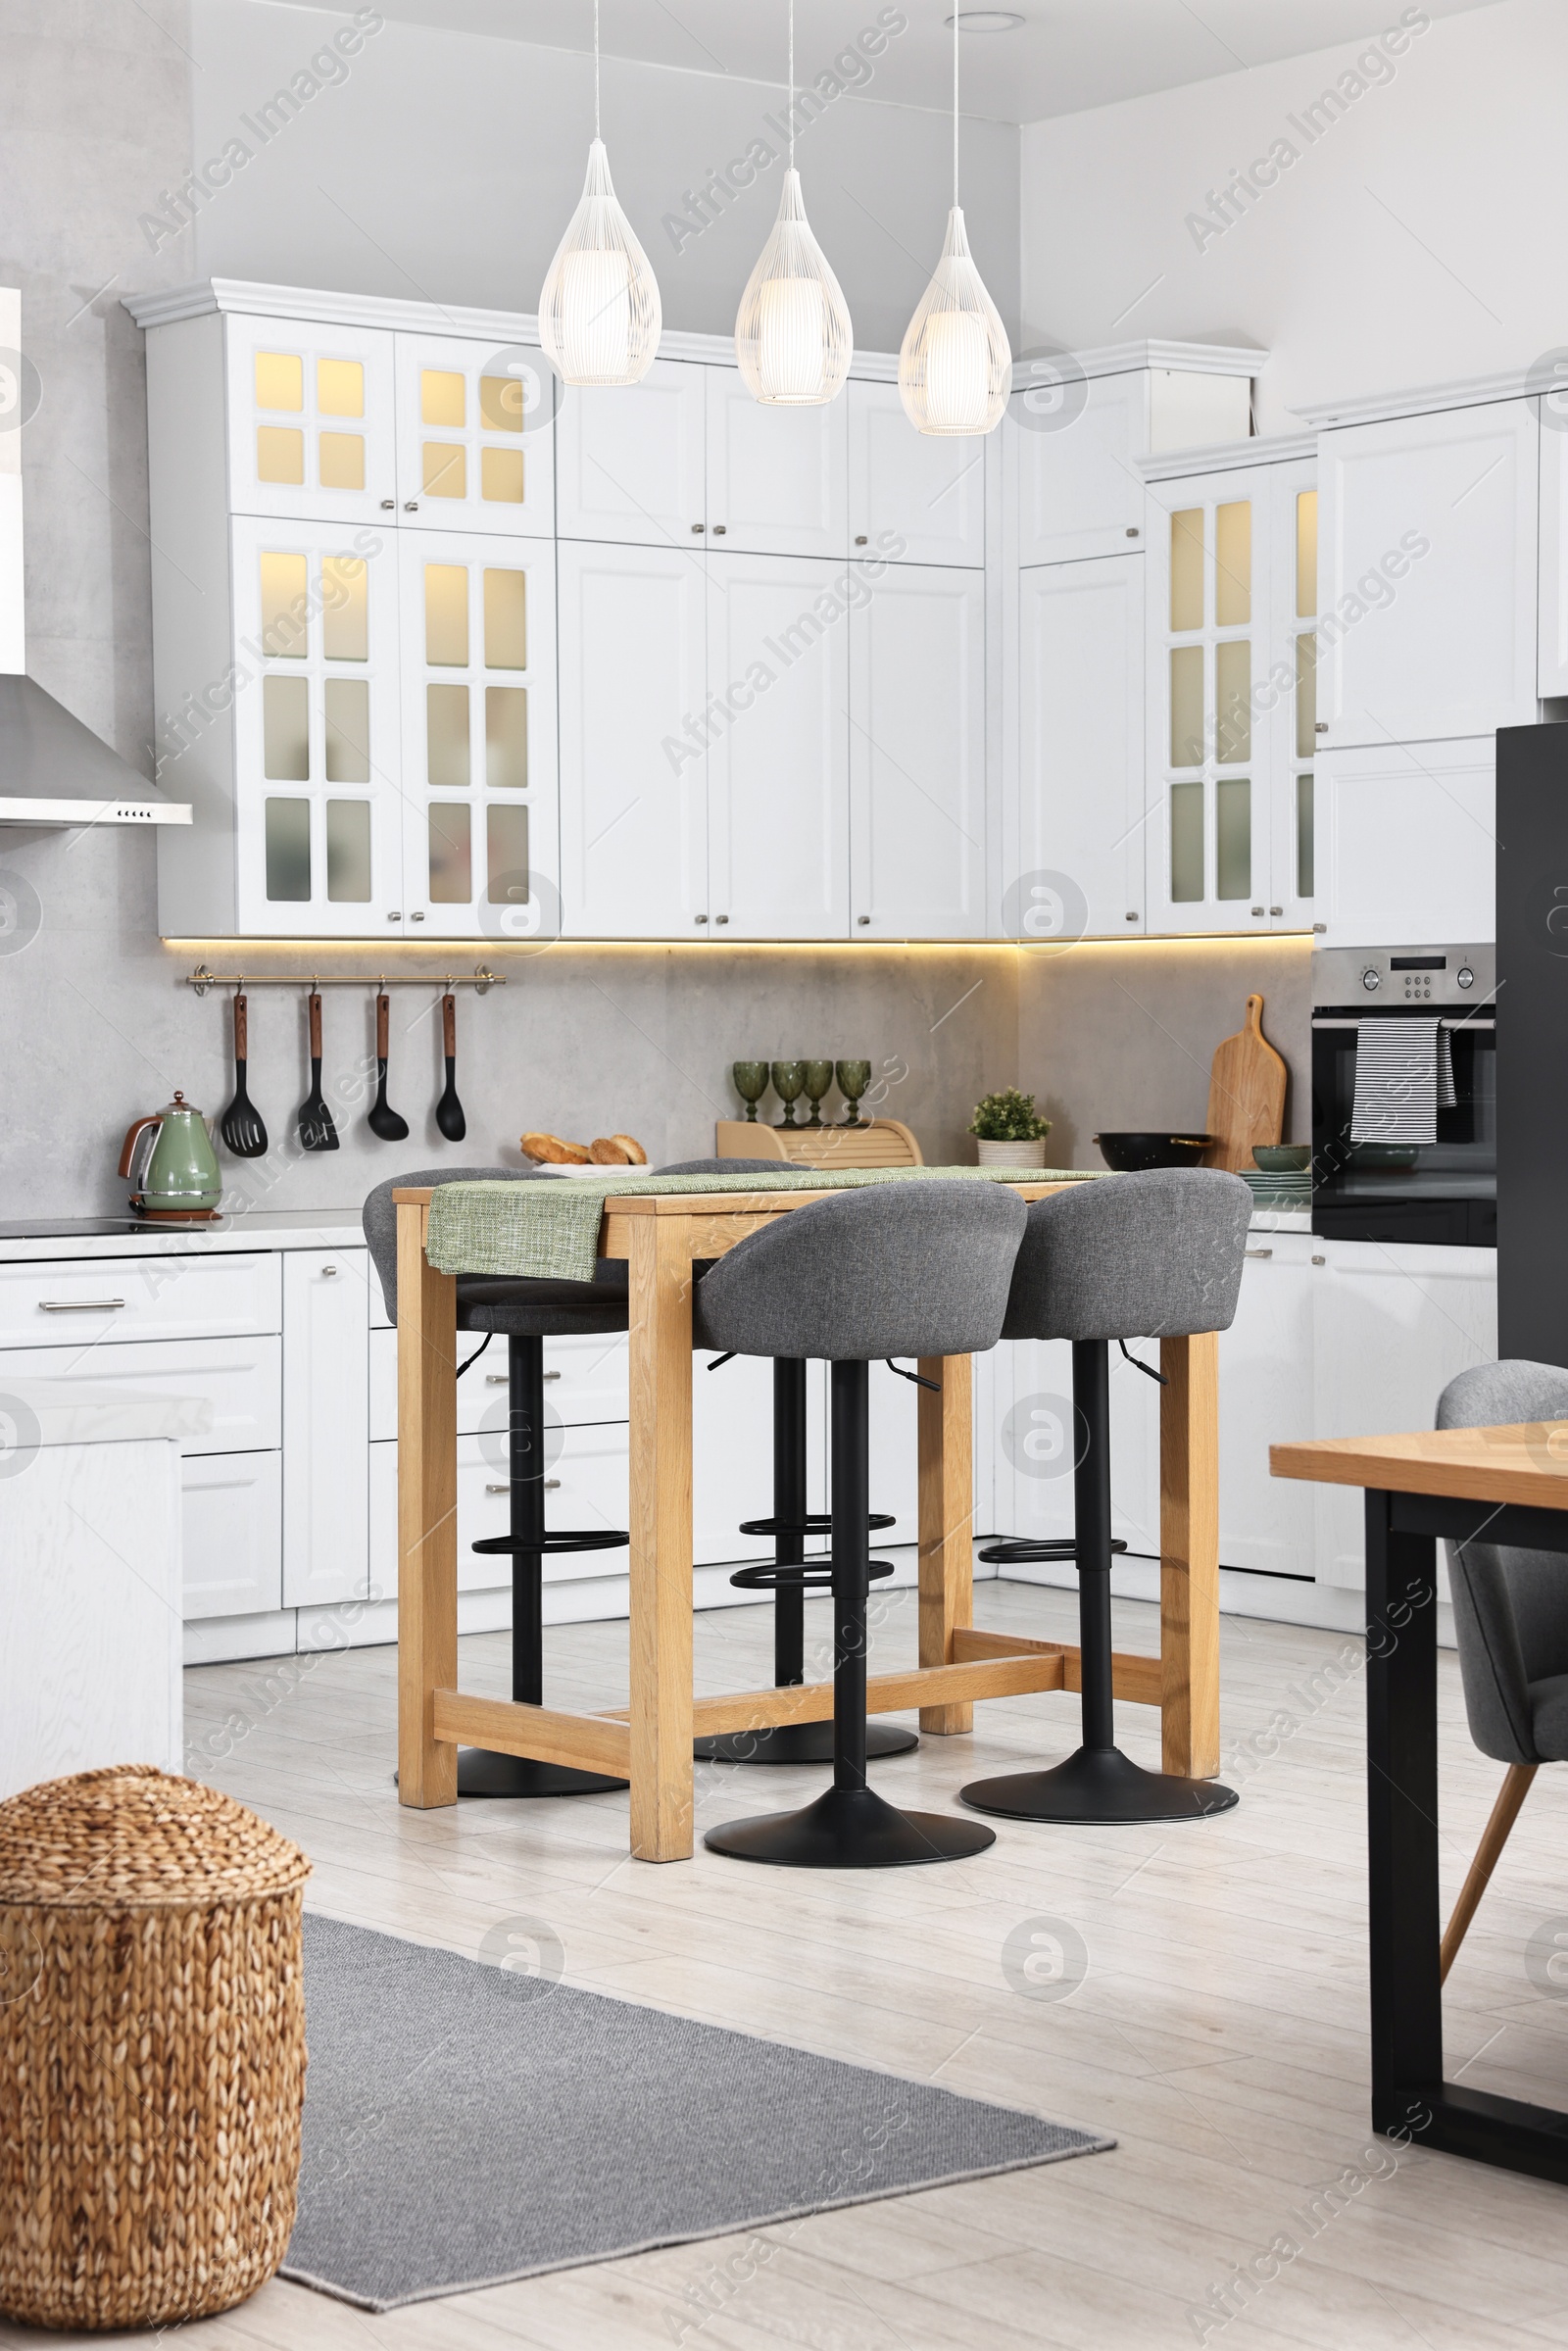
[449, 1111]
[316, 1131]
[380, 1118]
[240, 1125]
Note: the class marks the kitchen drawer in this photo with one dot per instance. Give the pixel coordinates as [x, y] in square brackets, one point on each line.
[585, 1381]
[588, 1489]
[77, 1300]
[233, 1521]
[241, 1379]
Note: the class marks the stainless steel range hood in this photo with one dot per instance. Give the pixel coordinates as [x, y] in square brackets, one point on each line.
[54, 770]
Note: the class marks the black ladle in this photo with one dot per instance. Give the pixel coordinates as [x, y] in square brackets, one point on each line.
[381, 1121]
[316, 1131]
[241, 1123]
[449, 1111]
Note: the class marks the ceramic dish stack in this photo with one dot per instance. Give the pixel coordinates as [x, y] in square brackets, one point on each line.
[1282, 1177]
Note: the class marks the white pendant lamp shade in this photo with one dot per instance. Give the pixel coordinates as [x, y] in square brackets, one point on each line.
[599, 314]
[956, 364]
[792, 332]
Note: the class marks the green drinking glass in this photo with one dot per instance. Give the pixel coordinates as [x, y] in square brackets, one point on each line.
[750, 1084]
[789, 1077]
[818, 1078]
[853, 1078]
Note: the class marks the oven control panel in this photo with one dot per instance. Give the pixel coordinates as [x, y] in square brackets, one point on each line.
[1397, 978]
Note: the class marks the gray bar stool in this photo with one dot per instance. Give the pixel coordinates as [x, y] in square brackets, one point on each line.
[791, 1522]
[525, 1313]
[899, 1269]
[1130, 1257]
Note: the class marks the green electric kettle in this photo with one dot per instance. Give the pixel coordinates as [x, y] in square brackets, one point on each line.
[176, 1176]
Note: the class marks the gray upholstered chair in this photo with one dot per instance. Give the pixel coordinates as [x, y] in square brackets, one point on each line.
[1510, 1618]
[790, 1524]
[1131, 1256]
[525, 1313]
[898, 1269]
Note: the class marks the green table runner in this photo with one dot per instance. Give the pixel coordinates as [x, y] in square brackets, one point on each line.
[549, 1231]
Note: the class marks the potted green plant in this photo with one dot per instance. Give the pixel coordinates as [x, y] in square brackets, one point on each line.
[1009, 1130]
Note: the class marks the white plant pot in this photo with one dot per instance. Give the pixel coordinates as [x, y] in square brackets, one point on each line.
[1011, 1154]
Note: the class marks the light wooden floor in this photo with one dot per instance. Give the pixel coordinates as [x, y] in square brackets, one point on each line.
[1219, 2032]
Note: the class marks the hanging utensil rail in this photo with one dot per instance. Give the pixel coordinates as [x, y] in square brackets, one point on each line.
[201, 979]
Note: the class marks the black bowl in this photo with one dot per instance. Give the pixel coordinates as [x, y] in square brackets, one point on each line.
[1129, 1153]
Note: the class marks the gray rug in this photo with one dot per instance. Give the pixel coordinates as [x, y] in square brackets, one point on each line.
[466, 2124]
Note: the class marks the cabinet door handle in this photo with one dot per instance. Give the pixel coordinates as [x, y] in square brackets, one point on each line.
[862, 919]
[862, 539]
[410, 506]
[328, 1273]
[1257, 909]
[1131, 530]
[699, 918]
[1260, 1253]
[416, 917]
[720, 530]
[1276, 909]
[699, 526]
[1320, 726]
[79, 1305]
[397, 917]
[1320, 1260]
[552, 1375]
[388, 506]
[721, 918]
[551, 1486]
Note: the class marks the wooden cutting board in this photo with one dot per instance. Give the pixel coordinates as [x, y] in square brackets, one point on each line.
[1246, 1094]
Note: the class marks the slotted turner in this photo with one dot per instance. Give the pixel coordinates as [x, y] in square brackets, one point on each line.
[241, 1125]
[316, 1131]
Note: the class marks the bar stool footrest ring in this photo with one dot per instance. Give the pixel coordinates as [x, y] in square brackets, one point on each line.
[564, 1539]
[817, 1577]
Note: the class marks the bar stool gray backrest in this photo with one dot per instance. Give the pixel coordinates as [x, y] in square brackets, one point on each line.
[1152, 1256]
[514, 1307]
[1510, 1607]
[898, 1269]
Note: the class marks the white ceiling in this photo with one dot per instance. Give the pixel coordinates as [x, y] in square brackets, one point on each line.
[1067, 55]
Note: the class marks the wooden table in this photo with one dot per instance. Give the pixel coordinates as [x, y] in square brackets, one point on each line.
[650, 1742]
[1501, 1486]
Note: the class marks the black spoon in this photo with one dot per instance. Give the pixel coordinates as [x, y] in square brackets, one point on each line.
[241, 1125]
[449, 1111]
[379, 1119]
[316, 1131]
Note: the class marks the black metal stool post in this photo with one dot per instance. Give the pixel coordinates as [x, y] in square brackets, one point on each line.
[789, 1579]
[481, 1771]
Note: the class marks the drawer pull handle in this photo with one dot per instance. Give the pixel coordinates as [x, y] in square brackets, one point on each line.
[551, 1486]
[79, 1305]
[1260, 1253]
[328, 1272]
[552, 1375]
[1320, 1260]
[502, 1379]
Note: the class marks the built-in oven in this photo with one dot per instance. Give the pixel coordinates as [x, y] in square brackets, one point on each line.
[1441, 1192]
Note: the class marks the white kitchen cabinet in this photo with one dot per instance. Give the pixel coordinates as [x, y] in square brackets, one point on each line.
[90, 1302]
[1429, 575]
[1230, 841]
[480, 846]
[1552, 645]
[631, 463]
[1079, 863]
[1266, 1524]
[241, 1378]
[1392, 1326]
[476, 438]
[634, 778]
[776, 476]
[326, 1429]
[318, 814]
[778, 764]
[1037, 1442]
[917, 757]
[311, 413]
[1407, 842]
[917, 498]
[1073, 438]
[232, 1517]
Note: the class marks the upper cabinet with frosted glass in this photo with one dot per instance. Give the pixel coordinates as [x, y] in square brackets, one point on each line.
[1230, 838]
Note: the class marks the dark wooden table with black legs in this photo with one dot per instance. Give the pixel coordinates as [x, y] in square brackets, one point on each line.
[1501, 1485]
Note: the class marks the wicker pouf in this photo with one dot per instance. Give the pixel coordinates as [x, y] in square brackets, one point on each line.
[152, 2049]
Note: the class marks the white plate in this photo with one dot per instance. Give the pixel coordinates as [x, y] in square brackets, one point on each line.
[545, 1167]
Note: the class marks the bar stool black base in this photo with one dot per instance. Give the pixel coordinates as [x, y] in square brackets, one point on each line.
[1098, 1784]
[796, 1743]
[483, 1772]
[849, 1829]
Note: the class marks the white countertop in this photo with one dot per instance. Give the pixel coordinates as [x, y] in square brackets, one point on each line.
[81, 1412]
[253, 1229]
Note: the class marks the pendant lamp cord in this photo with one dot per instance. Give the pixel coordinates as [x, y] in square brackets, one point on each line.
[792, 81]
[596, 69]
[957, 13]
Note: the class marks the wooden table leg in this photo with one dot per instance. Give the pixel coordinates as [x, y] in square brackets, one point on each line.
[428, 1513]
[947, 1521]
[661, 1526]
[1189, 1554]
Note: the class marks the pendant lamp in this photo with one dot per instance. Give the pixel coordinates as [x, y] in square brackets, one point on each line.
[956, 364]
[599, 312]
[792, 337]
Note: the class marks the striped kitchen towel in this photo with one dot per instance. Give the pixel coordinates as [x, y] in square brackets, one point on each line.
[1403, 1077]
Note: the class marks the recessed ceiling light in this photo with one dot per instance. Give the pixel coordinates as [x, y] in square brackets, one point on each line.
[987, 20]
